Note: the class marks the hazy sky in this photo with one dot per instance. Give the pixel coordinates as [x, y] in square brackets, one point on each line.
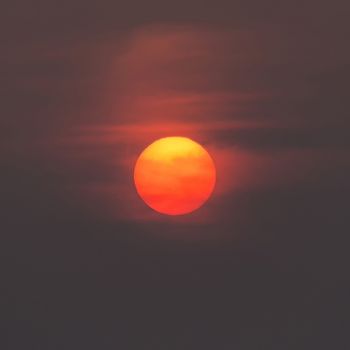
[85, 86]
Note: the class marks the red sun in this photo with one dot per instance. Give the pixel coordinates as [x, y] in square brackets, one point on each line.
[174, 175]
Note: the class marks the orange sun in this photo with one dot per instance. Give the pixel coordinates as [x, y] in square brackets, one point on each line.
[174, 175]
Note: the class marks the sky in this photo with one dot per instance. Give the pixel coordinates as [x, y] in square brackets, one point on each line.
[86, 86]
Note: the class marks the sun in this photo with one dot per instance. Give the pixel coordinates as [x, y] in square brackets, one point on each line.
[175, 175]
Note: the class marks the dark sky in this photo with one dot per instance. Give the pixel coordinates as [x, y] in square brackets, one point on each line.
[85, 86]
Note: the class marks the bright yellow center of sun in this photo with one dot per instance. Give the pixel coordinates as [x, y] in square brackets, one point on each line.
[174, 175]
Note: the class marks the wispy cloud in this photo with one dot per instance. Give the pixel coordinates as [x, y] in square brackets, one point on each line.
[221, 87]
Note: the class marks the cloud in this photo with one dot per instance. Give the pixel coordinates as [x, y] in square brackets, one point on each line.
[207, 84]
[247, 95]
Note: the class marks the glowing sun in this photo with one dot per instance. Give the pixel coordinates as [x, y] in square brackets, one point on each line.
[174, 175]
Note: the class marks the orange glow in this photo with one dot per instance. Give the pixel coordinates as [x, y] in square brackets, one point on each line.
[175, 175]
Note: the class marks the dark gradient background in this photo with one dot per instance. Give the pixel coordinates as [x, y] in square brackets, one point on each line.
[85, 85]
